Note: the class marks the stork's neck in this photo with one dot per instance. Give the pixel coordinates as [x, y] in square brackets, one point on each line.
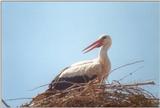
[103, 57]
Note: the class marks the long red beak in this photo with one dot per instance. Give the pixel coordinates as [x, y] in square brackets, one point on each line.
[95, 44]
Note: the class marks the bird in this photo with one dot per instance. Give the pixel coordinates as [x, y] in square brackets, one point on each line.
[84, 71]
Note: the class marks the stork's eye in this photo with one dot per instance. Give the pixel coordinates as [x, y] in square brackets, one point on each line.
[104, 37]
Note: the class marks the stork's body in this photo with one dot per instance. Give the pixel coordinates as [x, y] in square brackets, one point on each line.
[85, 71]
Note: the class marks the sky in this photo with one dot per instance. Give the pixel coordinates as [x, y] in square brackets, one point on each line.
[41, 38]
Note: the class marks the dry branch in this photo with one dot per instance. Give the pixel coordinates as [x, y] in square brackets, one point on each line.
[137, 84]
[139, 61]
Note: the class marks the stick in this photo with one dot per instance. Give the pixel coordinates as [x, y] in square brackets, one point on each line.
[136, 84]
[38, 87]
[130, 73]
[18, 99]
[142, 83]
[126, 65]
[55, 79]
[5, 104]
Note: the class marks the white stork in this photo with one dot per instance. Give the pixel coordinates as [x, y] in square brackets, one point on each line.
[85, 71]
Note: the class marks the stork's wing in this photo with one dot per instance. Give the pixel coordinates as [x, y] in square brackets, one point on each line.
[81, 72]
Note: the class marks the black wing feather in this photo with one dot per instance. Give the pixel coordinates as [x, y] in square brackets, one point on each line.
[66, 82]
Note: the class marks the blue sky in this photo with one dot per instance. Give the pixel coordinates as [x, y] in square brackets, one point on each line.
[40, 39]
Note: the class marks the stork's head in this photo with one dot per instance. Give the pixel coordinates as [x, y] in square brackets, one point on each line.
[104, 40]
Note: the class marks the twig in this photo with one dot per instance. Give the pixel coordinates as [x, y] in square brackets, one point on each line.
[130, 73]
[23, 98]
[135, 84]
[55, 79]
[5, 104]
[142, 83]
[38, 87]
[126, 65]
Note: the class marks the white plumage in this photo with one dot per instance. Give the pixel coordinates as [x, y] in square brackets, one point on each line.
[89, 68]
[85, 71]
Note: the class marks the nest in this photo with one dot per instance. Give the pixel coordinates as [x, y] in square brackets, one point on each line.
[93, 95]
